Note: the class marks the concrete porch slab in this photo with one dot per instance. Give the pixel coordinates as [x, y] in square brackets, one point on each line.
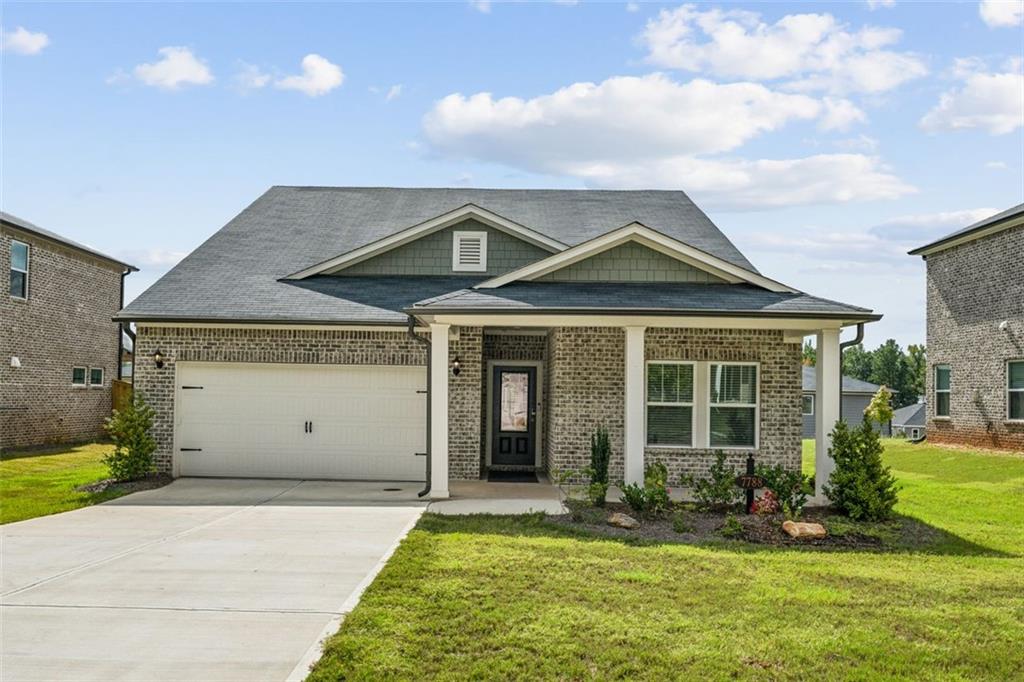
[484, 497]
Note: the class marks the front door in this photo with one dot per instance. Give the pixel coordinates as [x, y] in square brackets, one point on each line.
[514, 415]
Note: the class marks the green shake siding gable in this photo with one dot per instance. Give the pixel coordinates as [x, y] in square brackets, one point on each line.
[630, 263]
[432, 254]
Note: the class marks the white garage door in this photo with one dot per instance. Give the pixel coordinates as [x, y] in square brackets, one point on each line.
[300, 421]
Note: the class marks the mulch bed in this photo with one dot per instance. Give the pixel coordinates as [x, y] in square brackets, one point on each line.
[704, 527]
[125, 487]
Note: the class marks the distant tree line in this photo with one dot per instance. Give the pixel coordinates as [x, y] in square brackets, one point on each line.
[901, 371]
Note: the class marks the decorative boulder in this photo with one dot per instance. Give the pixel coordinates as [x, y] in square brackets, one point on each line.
[804, 530]
[623, 521]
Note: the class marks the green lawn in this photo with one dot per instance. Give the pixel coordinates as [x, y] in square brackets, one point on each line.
[515, 598]
[37, 483]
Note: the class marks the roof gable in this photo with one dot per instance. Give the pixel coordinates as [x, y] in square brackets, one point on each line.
[638, 233]
[631, 262]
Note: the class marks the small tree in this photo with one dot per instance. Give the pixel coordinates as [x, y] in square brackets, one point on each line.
[600, 454]
[880, 408]
[132, 457]
[860, 486]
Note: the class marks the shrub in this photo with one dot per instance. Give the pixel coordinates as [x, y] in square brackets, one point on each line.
[681, 524]
[719, 490]
[635, 497]
[652, 498]
[732, 528]
[132, 457]
[860, 487]
[766, 504]
[880, 407]
[790, 488]
[600, 454]
[597, 493]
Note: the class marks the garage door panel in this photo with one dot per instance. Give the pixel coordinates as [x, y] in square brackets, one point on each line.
[249, 420]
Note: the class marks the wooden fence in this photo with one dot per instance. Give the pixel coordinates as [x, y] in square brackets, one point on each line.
[121, 392]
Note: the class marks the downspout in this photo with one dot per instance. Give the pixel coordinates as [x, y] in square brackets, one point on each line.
[842, 347]
[426, 344]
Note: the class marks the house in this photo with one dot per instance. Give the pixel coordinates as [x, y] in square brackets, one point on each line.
[59, 349]
[975, 382]
[909, 421]
[313, 334]
[856, 396]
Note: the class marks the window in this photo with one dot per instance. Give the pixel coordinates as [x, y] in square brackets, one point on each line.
[733, 406]
[914, 434]
[808, 408]
[78, 376]
[670, 404]
[1015, 390]
[96, 376]
[469, 252]
[19, 269]
[942, 382]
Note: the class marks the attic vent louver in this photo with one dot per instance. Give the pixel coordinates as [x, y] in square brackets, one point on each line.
[469, 252]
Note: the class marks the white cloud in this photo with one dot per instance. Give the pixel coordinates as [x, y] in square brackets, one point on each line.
[632, 6]
[483, 6]
[840, 114]
[318, 77]
[875, 4]
[997, 165]
[23, 41]
[923, 227]
[251, 77]
[394, 92]
[862, 142]
[153, 258]
[1002, 13]
[990, 101]
[809, 51]
[177, 67]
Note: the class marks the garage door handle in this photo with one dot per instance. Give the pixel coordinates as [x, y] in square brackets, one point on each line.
[191, 449]
[311, 427]
[194, 388]
[419, 454]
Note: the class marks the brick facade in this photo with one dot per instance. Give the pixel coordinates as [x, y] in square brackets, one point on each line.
[64, 323]
[972, 288]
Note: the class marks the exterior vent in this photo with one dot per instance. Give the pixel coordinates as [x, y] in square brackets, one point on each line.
[469, 252]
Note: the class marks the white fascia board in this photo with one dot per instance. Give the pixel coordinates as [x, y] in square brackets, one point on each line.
[637, 232]
[525, 320]
[442, 221]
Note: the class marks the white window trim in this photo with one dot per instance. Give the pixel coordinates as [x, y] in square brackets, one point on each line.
[805, 396]
[948, 391]
[28, 267]
[457, 237]
[692, 405]
[756, 405]
[88, 377]
[1012, 390]
[85, 377]
[914, 433]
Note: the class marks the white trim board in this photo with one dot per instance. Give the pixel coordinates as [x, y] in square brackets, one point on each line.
[414, 232]
[641, 234]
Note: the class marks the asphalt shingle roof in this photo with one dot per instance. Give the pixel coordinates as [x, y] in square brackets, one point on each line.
[43, 232]
[850, 385]
[911, 415]
[236, 274]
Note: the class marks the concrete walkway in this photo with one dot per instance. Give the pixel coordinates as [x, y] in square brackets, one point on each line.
[484, 497]
[203, 579]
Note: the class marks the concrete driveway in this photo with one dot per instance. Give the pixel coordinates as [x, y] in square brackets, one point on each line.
[206, 579]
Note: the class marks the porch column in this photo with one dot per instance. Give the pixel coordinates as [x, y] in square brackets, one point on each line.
[634, 426]
[439, 410]
[826, 408]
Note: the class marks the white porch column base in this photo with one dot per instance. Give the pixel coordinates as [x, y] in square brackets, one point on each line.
[439, 411]
[634, 426]
[826, 409]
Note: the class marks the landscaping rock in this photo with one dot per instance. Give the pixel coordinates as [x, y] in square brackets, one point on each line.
[623, 521]
[804, 530]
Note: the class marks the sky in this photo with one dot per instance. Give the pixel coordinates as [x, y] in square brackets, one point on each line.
[824, 139]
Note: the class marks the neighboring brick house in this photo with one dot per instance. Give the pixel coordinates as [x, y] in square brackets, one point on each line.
[59, 348]
[297, 342]
[975, 382]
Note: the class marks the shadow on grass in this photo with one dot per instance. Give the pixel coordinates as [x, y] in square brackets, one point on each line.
[49, 450]
[904, 534]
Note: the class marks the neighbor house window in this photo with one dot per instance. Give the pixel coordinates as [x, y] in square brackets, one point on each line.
[469, 251]
[19, 269]
[808, 408]
[78, 376]
[942, 382]
[670, 404]
[1015, 389]
[96, 376]
[733, 405]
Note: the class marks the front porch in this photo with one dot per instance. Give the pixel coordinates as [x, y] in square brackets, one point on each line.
[569, 375]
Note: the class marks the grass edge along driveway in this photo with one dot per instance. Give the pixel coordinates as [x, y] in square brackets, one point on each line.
[515, 598]
[42, 482]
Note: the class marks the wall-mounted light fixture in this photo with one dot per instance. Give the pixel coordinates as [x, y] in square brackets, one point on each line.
[158, 358]
[456, 366]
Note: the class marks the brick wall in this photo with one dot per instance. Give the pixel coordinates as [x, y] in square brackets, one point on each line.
[586, 380]
[972, 288]
[65, 323]
[301, 346]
